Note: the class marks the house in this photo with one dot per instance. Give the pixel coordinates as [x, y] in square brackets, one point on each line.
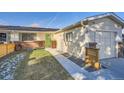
[28, 37]
[102, 31]
[123, 38]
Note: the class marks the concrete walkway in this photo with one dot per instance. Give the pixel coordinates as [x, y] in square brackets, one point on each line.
[74, 70]
[114, 70]
[116, 66]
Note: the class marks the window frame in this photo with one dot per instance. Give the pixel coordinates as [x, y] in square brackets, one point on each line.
[5, 38]
[25, 38]
[69, 36]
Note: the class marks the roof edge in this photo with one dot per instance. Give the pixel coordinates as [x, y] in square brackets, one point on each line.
[9, 27]
[94, 18]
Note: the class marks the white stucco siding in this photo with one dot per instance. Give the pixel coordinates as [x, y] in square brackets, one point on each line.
[77, 46]
[105, 32]
[61, 44]
[40, 36]
[91, 36]
[106, 43]
[104, 24]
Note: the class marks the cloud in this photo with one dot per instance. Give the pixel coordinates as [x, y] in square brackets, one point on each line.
[34, 25]
[53, 19]
[45, 22]
[2, 22]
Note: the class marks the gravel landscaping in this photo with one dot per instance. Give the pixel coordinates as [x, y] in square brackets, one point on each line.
[8, 65]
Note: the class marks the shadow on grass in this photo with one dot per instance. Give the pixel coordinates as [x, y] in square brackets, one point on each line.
[41, 65]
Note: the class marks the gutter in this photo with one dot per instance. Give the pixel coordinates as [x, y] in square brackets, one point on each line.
[78, 24]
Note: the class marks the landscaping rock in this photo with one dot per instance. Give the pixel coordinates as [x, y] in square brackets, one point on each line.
[8, 66]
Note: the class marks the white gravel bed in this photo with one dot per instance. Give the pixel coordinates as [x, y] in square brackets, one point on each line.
[8, 66]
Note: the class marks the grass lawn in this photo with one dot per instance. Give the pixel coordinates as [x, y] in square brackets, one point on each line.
[41, 65]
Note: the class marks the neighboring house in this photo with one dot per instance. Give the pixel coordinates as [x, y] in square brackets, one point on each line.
[31, 37]
[103, 30]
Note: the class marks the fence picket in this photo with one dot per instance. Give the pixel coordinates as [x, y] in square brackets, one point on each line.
[6, 49]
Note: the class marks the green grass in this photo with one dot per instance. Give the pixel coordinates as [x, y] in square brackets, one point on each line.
[41, 65]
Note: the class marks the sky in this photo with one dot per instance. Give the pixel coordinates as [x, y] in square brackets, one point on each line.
[45, 19]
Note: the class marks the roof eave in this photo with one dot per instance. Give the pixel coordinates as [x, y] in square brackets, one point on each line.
[86, 20]
[110, 15]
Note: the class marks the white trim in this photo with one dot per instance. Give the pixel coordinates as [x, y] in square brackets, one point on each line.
[104, 15]
[102, 30]
[24, 31]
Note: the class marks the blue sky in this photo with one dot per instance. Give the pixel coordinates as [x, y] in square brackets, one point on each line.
[45, 19]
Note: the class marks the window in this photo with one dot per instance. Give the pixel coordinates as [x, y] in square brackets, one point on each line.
[28, 36]
[69, 36]
[2, 37]
[14, 37]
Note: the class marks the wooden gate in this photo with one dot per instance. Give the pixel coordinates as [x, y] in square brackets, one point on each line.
[54, 44]
[92, 57]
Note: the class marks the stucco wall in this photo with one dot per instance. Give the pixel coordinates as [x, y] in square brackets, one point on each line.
[40, 36]
[77, 46]
[61, 44]
[105, 24]
[82, 36]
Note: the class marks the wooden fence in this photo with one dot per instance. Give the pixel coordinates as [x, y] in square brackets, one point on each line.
[6, 49]
[92, 57]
